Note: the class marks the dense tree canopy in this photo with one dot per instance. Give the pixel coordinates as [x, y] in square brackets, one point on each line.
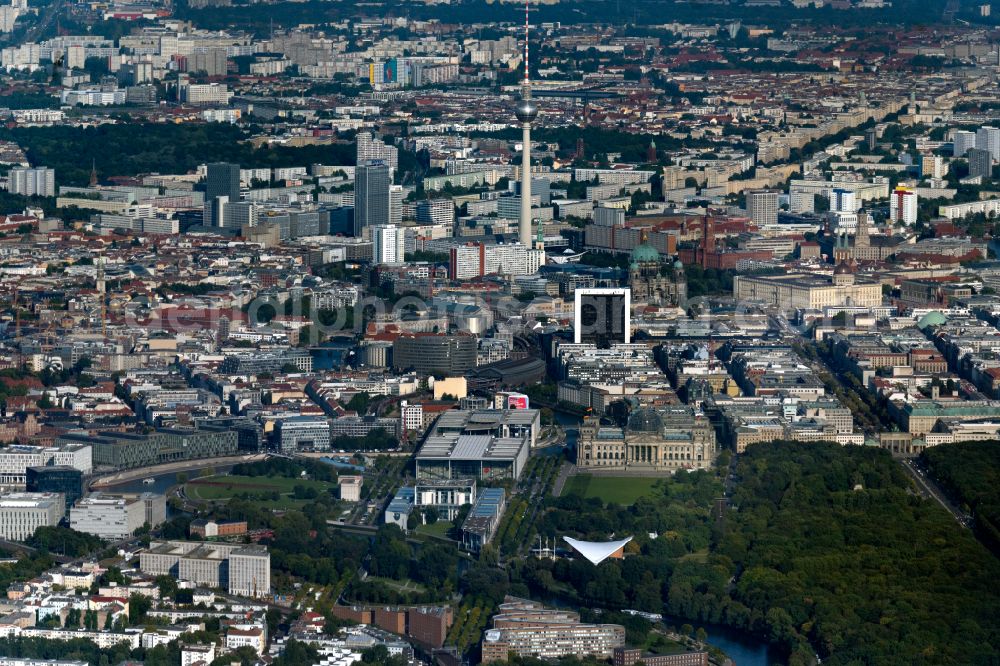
[824, 550]
[135, 148]
[970, 473]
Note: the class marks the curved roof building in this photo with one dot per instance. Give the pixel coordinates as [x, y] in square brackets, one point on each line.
[598, 551]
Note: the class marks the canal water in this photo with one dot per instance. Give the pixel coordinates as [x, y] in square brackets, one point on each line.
[162, 483]
[742, 648]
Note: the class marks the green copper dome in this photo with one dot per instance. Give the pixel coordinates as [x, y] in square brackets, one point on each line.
[932, 319]
[645, 253]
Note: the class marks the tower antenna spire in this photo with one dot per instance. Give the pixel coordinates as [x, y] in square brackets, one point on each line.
[525, 112]
[527, 82]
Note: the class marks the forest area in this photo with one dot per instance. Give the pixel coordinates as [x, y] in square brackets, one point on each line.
[132, 149]
[823, 550]
[969, 472]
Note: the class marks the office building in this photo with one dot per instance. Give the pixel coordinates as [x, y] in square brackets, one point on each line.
[303, 433]
[481, 524]
[222, 179]
[528, 629]
[121, 450]
[372, 197]
[398, 511]
[988, 138]
[903, 206]
[980, 163]
[602, 316]
[435, 354]
[244, 570]
[201, 93]
[762, 207]
[16, 459]
[250, 572]
[23, 513]
[962, 143]
[447, 496]
[235, 215]
[32, 182]
[480, 444]
[361, 426]
[372, 149]
[114, 517]
[266, 362]
[428, 624]
[388, 244]
[62, 479]
[424, 624]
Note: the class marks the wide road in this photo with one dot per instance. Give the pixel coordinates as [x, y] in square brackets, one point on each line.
[566, 470]
[929, 489]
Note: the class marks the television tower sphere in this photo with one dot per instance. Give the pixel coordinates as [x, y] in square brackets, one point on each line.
[526, 111]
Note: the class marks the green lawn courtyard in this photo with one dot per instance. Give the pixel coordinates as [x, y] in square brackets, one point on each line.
[438, 529]
[216, 488]
[624, 490]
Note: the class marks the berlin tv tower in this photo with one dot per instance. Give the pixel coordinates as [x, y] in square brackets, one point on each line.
[525, 112]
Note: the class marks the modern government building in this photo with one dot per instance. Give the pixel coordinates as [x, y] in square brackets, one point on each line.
[482, 444]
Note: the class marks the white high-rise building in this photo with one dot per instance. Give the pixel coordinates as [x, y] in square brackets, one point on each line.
[903, 206]
[436, 211]
[762, 207]
[843, 201]
[32, 182]
[988, 138]
[802, 202]
[250, 572]
[371, 148]
[476, 260]
[396, 204]
[963, 142]
[388, 244]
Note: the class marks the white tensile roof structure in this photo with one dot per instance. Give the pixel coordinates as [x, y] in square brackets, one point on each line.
[596, 551]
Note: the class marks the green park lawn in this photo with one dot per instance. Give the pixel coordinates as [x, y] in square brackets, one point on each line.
[213, 488]
[624, 490]
[439, 529]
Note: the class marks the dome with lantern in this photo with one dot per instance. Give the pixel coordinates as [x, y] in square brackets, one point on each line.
[645, 420]
[644, 254]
